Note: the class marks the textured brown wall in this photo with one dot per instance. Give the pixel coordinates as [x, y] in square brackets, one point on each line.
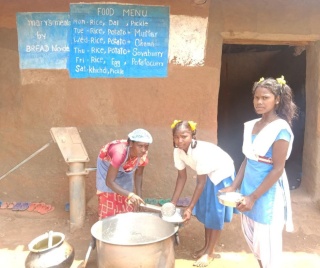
[33, 101]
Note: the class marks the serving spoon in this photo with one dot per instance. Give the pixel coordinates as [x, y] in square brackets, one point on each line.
[167, 209]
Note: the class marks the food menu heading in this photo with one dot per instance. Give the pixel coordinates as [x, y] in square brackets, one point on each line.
[103, 40]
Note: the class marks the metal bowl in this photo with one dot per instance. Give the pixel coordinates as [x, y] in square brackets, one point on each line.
[230, 199]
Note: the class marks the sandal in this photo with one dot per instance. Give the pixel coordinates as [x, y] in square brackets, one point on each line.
[51, 209]
[44, 208]
[39, 207]
[151, 201]
[24, 206]
[16, 207]
[32, 206]
[164, 201]
[4, 205]
[184, 202]
[11, 205]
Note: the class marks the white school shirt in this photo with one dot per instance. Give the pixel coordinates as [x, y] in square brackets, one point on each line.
[206, 158]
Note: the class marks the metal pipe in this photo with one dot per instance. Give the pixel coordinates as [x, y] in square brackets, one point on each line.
[77, 175]
[91, 169]
[27, 159]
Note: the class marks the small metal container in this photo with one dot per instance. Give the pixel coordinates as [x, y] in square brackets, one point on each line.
[50, 250]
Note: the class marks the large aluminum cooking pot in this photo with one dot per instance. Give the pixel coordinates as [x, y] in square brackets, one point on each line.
[132, 240]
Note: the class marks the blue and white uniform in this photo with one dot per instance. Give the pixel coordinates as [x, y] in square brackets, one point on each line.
[208, 158]
[263, 224]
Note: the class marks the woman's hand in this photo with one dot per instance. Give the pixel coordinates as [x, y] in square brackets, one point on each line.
[135, 200]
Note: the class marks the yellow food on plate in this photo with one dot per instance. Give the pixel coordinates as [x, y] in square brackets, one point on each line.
[230, 199]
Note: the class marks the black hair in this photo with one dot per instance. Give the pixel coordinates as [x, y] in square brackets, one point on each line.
[286, 109]
[185, 124]
[128, 141]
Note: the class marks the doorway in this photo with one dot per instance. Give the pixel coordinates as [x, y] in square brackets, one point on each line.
[241, 66]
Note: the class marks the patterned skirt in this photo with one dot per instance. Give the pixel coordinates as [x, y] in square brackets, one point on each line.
[111, 204]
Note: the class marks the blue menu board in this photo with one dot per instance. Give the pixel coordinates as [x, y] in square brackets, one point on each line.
[43, 40]
[112, 40]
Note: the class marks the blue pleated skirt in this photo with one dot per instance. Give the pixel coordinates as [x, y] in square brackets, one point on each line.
[208, 210]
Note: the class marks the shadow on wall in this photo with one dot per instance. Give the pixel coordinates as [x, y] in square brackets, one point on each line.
[241, 66]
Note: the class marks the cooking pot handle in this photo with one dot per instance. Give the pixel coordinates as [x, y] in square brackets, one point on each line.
[93, 242]
[177, 238]
[92, 246]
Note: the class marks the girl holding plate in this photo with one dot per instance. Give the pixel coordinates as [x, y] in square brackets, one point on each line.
[267, 144]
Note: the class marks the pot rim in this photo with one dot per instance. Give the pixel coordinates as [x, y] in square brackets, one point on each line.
[44, 237]
[94, 226]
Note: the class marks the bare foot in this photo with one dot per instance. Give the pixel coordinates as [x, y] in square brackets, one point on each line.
[197, 254]
[204, 260]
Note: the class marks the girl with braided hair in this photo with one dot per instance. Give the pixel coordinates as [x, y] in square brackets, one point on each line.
[215, 170]
[267, 144]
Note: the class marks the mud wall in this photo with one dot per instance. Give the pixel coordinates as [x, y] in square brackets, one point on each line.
[33, 101]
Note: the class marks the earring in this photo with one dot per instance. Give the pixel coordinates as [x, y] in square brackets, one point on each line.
[193, 144]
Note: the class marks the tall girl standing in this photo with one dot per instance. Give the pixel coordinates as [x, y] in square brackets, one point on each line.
[215, 170]
[267, 143]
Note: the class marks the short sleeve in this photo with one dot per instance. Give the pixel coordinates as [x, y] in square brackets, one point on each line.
[284, 134]
[117, 155]
[178, 163]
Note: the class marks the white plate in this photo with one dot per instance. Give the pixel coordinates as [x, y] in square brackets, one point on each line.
[230, 199]
[175, 218]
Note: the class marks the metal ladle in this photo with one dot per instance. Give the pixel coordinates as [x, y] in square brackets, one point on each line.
[167, 209]
[50, 234]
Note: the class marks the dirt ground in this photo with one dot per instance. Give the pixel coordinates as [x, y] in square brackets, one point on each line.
[301, 248]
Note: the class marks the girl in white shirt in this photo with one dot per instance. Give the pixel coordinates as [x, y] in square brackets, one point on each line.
[215, 170]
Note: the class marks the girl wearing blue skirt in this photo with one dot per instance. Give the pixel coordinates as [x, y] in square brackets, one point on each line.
[215, 170]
